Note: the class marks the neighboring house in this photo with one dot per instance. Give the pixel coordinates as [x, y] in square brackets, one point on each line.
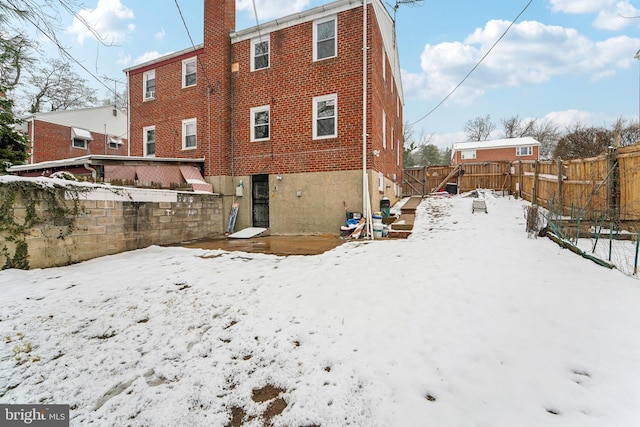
[508, 149]
[277, 112]
[66, 134]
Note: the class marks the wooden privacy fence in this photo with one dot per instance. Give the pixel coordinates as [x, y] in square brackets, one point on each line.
[424, 180]
[608, 185]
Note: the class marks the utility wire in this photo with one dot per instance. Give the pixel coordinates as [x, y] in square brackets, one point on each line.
[474, 67]
[61, 48]
[202, 67]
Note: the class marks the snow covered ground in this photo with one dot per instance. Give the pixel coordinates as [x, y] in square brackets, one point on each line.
[467, 323]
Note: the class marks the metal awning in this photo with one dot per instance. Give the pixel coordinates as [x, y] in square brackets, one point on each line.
[79, 133]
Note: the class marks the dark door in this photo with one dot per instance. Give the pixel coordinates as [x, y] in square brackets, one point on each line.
[260, 200]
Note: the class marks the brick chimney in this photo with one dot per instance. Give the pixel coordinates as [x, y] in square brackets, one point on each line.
[219, 22]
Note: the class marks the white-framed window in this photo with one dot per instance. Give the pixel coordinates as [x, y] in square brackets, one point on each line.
[80, 138]
[149, 141]
[398, 154]
[325, 38]
[189, 129]
[113, 142]
[260, 52]
[393, 136]
[524, 151]
[189, 67]
[325, 116]
[384, 65]
[260, 123]
[380, 181]
[468, 154]
[149, 85]
[384, 130]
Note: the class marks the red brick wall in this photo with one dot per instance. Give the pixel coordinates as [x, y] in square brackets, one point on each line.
[288, 86]
[496, 154]
[385, 97]
[53, 142]
[166, 112]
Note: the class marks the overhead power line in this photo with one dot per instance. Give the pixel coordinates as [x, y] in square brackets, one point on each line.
[474, 67]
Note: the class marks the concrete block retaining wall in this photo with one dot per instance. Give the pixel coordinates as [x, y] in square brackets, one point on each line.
[100, 220]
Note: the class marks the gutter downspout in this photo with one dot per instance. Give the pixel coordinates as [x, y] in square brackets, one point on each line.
[128, 118]
[366, 202]
[33, 138]
[94, 173]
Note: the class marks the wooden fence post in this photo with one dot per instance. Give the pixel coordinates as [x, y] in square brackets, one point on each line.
[560, 179]
[612, 179]
[424, 181]
[520, 179]
[534, 194]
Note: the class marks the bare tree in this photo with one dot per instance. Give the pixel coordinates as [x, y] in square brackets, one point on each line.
[515, 127]
[59, 86]
[629, 131]
[480, 128]
[582, 142]
[547, 134]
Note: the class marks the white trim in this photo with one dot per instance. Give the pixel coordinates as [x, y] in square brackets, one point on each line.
[263, 38]
[317, 22]
[294, 19]
[145, 141]
[529, 152]
[331, 98]
[185, 124]
[193, 59]
[468, 154]
[253, 125]
[496, 143]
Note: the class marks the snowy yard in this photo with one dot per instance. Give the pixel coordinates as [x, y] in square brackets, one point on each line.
[467, 323]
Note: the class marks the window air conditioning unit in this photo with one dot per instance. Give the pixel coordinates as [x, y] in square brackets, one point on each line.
[151, 94]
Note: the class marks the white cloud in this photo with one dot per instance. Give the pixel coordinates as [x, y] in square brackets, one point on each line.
[123, 59]
[270, 9]
[580, 6]
[159, 35]
[149, 56]
[618, 17]
[531, 53]
[611, 14]
[108, 22]
[569, 118]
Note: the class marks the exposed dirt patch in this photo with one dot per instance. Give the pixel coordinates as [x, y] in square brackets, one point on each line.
[265, 393]
[275, 408]
[237, 415]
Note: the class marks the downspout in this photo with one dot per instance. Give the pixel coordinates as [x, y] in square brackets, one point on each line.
[33, 138]
[128, 118]
[366, 203]
[94, 173]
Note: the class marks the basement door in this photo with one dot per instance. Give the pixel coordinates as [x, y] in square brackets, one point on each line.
[260, 200]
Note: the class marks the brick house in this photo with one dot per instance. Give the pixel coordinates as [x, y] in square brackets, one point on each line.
[66, 134]
[509, 149]
[276, 110]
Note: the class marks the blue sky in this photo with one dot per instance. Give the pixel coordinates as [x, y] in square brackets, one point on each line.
[567, 61]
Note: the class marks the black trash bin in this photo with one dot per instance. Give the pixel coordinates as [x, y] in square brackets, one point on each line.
[451, 188]
[385, 207]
